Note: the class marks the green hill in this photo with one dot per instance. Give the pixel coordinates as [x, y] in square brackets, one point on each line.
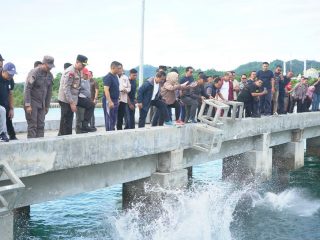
[294, 65]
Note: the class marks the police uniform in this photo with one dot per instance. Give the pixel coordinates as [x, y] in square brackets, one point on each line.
[6, 90]
[9, 124]
[38, 92]
[68, 93]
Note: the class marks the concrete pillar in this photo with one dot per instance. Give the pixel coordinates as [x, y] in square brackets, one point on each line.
[170, 170]
[133, 192]
[21, 220]
[248, 166]
[288, 156]
[190, 172]
[170, 174]
[14, 223]
[6, 225]
[313, 146]
[252, 165]
[171, 161]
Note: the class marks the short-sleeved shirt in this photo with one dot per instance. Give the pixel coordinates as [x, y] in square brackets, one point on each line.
[4, 92]
[186, 79]
[11, 84]
[112, 81]
[93, 87]
[266, 77]
[245, 94]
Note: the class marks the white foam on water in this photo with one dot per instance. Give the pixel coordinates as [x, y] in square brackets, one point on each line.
[204, 212]
[295, 200]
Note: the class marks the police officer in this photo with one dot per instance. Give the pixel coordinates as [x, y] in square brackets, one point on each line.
[69, 92]
[6, 97]
[37, 96]
[9, 112]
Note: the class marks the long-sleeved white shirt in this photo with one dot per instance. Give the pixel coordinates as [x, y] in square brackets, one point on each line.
[124, 84]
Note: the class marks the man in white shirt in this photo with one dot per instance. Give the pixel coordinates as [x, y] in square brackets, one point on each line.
[148, 95]
[124, 88]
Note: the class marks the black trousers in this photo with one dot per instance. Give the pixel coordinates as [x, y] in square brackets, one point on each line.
[301, 106]
[158, 119]
[89, 106]
[281, 109]
[122, 113]
[65, 119]
[10, 129]
[130, 124]
[161, 106]
[248, 108]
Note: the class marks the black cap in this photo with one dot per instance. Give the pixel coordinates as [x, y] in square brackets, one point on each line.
[1, 59]
[82, 59]
[66, 65]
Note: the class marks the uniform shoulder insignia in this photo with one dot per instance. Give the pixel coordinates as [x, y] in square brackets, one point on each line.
[71, 74]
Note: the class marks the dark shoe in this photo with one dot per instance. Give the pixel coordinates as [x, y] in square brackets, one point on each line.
[4, 137]
[87, 129]
[81, 130]
[13, 138]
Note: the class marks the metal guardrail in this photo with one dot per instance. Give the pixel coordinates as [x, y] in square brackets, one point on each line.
[10, 192]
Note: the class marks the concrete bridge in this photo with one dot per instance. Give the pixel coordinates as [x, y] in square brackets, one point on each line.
[40, 170]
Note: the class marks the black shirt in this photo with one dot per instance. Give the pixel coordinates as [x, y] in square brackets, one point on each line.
[5, 88]
[266, 77]
[245, 95]
[186, 79]
[283, 83]
[132, 93]
[112, 81]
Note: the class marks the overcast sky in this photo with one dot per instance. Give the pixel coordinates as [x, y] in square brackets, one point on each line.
[219, 34]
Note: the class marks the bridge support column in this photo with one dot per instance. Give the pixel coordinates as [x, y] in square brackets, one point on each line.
[289, 156]
[6, 226]
[190, 171]
[248, 166]
[21, 220]
[13, 223]
[313, 146]
[256, 164]
[133, 191]
[170, 174]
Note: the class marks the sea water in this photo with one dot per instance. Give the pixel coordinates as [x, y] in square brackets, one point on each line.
[208, 209]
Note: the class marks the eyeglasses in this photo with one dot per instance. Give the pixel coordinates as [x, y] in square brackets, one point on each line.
[244, 78]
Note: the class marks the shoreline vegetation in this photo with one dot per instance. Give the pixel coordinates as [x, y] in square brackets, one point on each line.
[295, 65]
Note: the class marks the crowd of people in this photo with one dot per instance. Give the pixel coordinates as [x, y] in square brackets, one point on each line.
[263, 93]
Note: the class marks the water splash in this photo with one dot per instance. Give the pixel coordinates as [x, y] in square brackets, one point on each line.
[295, 200]
[201, 212]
